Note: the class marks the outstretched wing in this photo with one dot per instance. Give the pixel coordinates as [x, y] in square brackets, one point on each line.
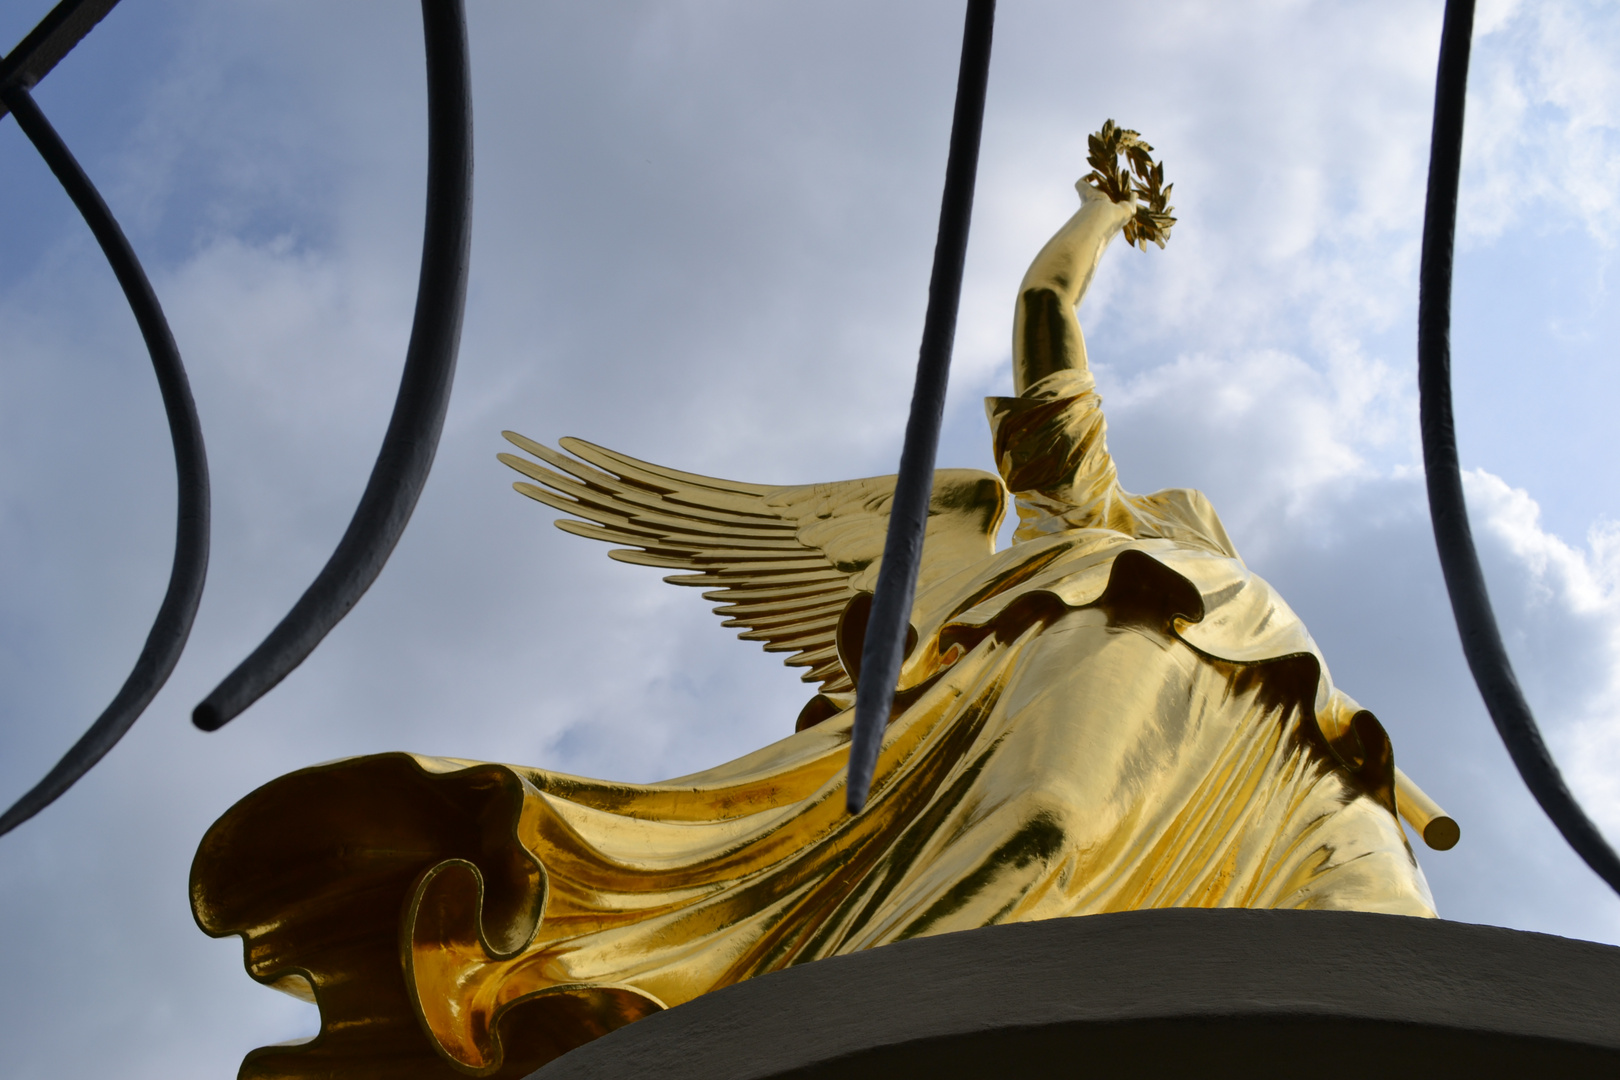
[783, 561]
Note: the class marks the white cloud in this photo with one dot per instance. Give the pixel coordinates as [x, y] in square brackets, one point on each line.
[1543, 131]
[1569, 622]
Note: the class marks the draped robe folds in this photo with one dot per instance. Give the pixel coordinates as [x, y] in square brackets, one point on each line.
[1111, 714]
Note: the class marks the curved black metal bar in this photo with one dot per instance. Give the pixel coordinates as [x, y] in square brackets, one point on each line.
[886, 627]
[167, 638]
[1470, 602]
[424, 390]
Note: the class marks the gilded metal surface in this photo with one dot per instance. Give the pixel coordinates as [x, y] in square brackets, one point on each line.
[1114, 713]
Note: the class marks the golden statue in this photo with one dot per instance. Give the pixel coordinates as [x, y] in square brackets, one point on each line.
[1113, 713]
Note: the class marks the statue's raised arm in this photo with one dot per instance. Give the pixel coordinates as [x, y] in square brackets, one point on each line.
[1050, 441]
[1046, 330]
[1132, 201]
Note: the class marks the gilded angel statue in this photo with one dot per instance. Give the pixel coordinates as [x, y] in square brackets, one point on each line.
[1113, 713]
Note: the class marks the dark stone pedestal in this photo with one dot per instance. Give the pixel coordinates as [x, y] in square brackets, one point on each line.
[1176, 993]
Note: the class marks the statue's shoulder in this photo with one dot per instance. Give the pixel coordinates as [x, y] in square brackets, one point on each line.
[1184, 514]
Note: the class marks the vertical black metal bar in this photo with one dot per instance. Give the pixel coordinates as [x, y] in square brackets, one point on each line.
[412, 439]
[1470, 602]
[167, 638]
[884, 649]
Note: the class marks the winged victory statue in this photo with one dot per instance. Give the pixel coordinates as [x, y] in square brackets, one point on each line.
[1113, 713]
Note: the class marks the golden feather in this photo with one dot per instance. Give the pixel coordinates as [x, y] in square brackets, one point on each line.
[783, 561]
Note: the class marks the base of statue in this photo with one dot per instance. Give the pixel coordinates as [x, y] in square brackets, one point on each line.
[1170, 993]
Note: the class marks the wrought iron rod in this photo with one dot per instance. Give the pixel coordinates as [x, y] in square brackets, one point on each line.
[167, 638]
[1470, 602]
[884, 649]
[412, 438]
[63, 27]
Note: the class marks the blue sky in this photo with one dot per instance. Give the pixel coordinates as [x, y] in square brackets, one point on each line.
[703, 234]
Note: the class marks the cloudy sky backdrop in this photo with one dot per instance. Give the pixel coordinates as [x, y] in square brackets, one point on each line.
[703, 233]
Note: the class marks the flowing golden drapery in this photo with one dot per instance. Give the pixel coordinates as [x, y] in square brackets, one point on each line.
[1112, 714]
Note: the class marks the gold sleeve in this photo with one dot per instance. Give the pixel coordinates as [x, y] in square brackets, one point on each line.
[1051, 447]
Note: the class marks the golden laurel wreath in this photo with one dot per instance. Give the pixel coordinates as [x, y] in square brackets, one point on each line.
[1144, 179]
